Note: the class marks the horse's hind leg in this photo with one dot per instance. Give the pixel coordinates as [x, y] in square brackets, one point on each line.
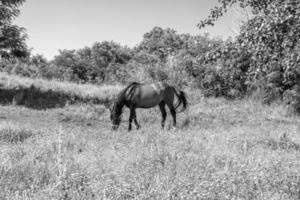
[173, 113]
[163, 113]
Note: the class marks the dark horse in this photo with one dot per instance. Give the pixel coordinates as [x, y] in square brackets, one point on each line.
[137, 95]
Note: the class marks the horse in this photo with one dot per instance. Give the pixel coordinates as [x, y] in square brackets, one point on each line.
[138, 95]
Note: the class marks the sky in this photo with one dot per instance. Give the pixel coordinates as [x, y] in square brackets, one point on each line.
[73, 24]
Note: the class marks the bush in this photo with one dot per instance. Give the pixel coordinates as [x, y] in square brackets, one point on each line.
[177, 68]
[19, 67]
[292, 99]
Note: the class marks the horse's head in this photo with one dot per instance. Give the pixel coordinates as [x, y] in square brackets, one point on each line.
[115, 116]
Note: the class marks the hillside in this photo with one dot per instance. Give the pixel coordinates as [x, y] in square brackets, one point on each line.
[220, 150]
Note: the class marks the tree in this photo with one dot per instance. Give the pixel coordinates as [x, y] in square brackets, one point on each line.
[9, 10]
[161, 42]
[239, 17]
[68, 62]
[12, 37]
[107, 57]
[103, 61]
[200, 44]
[274, 30]
[270, 39]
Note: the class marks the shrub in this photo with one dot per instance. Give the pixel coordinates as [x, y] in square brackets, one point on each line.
[292, 99]
[267, 49]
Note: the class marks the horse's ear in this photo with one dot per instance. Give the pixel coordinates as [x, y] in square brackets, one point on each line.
[108, 105]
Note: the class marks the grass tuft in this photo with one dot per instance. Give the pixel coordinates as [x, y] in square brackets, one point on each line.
[14, 135]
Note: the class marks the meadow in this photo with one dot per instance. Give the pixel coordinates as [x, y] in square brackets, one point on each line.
[221, 149]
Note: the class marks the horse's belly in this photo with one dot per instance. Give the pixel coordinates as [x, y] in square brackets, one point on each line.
[148, 101]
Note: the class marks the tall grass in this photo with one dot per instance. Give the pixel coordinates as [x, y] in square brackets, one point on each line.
[82, 91]
[220, 150]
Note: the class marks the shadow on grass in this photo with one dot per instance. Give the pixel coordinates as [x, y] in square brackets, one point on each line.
[36, 98]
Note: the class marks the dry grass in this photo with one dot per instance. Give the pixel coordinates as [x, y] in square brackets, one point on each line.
[221, 150]
[13, 134]
[82, 91]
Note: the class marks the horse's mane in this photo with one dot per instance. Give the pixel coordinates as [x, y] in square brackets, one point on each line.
[120, 96]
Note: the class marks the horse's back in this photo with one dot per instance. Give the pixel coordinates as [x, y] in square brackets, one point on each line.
[150, 95]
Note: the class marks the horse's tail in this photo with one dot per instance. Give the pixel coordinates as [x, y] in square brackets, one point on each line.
[182, 100]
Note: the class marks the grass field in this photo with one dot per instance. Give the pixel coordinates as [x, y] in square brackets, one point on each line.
[221, 149]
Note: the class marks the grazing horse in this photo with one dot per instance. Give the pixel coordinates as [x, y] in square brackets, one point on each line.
[137, 95]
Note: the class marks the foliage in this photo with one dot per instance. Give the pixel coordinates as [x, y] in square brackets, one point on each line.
[107, 57]
[268, 43]
[9, 10]
[177, 68]
[161, 42]
[179, 64]
[144, 67]
[12, 37]
[225, 71]
[109, 62]
[103, 62]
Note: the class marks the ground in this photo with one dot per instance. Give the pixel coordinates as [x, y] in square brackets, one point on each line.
[221, 149]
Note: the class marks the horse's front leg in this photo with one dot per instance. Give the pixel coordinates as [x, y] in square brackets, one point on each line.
[135, 120]
[132, 117]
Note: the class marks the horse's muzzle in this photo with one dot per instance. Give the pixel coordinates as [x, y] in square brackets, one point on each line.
[114, 127]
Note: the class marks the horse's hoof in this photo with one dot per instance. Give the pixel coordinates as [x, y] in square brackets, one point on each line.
[173, 128]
